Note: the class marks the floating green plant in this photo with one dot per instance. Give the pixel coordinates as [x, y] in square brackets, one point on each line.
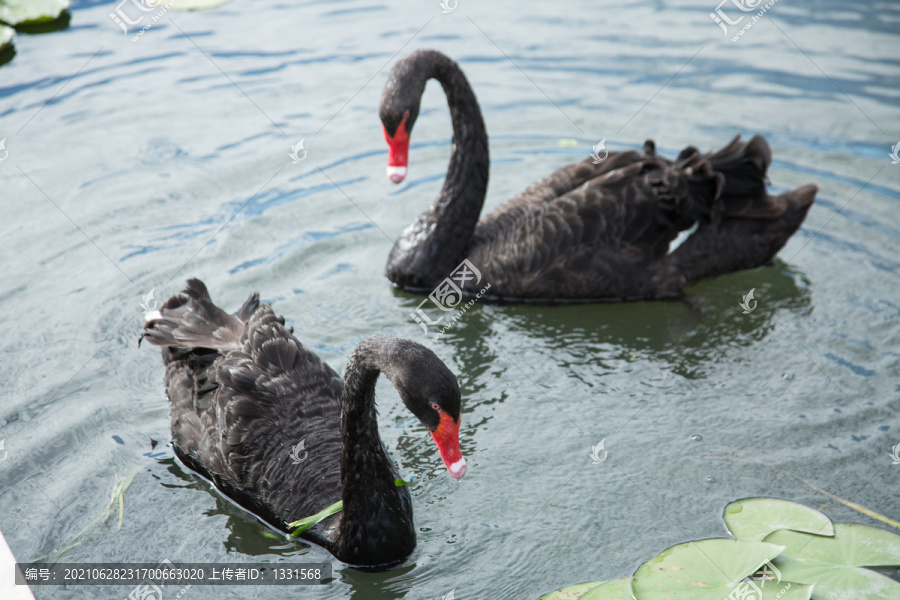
[593, 590]
[22, 13]
[117, 499]
[834, 563]
[755, 518]
[7, 34]
[305, 523]
[609, 590]
[710, 570]
[847, 503]
[783, 550]
[29, 16]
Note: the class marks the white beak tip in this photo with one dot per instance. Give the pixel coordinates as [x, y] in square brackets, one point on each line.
[458, 469]
[396, 174]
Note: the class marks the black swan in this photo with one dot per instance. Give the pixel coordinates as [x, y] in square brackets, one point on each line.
[593, 231]
[276, 430]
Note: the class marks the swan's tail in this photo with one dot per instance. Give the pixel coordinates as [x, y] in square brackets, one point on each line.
[727, 183]
[744, 227]
[705, 186]
[190, 320]
[742, 241]
[744, 166]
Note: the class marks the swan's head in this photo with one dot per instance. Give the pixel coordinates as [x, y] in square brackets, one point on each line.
[399, 106]
[430, 391]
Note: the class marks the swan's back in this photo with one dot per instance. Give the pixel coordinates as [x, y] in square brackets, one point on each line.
[593, 231]
[244, 393]
[602, 231]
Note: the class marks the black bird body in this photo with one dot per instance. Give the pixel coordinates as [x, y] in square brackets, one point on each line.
[592, 231]
[245, 392]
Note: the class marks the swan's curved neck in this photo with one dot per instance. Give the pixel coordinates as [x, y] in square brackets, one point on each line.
[376, 512]
[439, 239]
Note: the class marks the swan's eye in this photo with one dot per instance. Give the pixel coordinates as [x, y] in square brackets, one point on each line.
[436, 406]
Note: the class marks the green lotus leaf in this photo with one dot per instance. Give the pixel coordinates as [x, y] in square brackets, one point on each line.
[853, 545]
[753, 519]
[6, 36]
[571, 592]
[712, 570]
[31, 12]
[840, 583]
[618, 589]
[833, 563]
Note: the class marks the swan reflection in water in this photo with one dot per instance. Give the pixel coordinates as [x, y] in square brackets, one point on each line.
[690, 335]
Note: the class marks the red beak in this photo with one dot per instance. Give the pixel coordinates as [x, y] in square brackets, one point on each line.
[398, 151]
[446, 436]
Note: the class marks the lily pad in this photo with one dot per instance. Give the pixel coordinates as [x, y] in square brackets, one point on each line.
[754, 518]
[710, 570]
[618, 589]
[571, 592]
[6, 36]
[833, 563]
[197, 4]
[31, 12]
